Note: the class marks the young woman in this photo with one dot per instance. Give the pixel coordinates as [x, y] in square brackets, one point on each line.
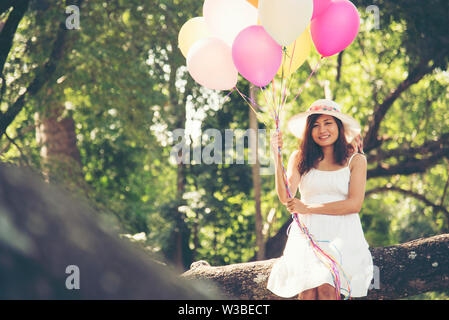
[331, 178]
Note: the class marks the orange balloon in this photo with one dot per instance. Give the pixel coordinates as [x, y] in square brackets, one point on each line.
[254, 2]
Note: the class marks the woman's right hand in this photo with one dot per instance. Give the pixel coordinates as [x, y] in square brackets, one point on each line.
[276, 141]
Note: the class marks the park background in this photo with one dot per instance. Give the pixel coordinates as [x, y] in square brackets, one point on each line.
[94, 109]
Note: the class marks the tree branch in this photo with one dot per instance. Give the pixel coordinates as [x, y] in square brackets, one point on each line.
[22, 155]
[428, 147]
[21, 132]
[411, 160]
[371, 140]
[443, 196]
[403, 270]
[339, 65]
[10, 28]
[5, 5]
[415, 195]
[40, 80]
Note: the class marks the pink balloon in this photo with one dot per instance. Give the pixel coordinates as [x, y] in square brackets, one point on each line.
[209, 62]
[256, 55]
[319, 6]
[335, 28]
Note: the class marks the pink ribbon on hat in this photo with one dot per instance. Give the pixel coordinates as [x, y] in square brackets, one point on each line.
[323, 108]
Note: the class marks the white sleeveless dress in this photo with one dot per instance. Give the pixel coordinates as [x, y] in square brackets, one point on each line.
[340, 236]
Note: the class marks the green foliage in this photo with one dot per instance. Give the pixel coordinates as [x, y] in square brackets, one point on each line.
[434, 295]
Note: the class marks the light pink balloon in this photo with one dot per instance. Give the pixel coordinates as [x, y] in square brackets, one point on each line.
[209, 62]
[335, 28]
[319, 6]
[256, 55]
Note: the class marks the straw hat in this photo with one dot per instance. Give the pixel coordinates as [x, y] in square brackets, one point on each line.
[297, 123]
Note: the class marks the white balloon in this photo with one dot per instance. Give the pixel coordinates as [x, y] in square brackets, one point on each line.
[226, 18]
[285, 20]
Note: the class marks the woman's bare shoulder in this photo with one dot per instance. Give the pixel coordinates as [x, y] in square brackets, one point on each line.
[294, 156]
[358, 160]
[295, 153]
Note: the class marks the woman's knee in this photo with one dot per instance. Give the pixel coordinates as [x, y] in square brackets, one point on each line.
[326, 292]
[310, 294]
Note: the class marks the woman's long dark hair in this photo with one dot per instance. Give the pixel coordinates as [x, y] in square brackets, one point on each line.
[310, 153]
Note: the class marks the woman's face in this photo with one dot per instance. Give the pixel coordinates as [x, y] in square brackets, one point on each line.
[325, 130]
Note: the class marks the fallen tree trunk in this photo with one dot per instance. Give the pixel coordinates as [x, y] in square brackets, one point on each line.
[400, 271]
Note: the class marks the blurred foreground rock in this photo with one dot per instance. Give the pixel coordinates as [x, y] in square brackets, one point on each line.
[51, 243]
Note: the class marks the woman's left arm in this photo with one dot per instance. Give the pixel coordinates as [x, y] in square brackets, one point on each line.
[352, 204]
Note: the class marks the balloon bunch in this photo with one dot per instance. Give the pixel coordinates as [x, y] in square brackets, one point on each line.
[261, 39]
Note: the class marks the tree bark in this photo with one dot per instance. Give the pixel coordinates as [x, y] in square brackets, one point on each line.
[339, 65]
[400, 271]
[181, 256]
[275, 244]
[55, 133]
[255, 169]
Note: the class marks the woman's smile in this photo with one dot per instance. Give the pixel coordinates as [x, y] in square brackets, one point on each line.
[324, 137]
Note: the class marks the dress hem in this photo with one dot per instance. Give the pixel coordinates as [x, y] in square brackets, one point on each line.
[358, 295]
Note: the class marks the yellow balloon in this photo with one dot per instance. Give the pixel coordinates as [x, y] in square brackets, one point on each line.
[192, 31]
[296, 54]
[254, 2]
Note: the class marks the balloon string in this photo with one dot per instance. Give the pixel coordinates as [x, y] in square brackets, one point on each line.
[266, 101]
[274, 95]
[250, 99]
[250, 105]
[308, 78]
[228, 95]
[284, 49]
[291, 57]
[290, 80]
[272, 105]
[284, 96]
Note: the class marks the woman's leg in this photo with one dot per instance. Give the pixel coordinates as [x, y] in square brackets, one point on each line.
[310, 294]
[326, 292]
